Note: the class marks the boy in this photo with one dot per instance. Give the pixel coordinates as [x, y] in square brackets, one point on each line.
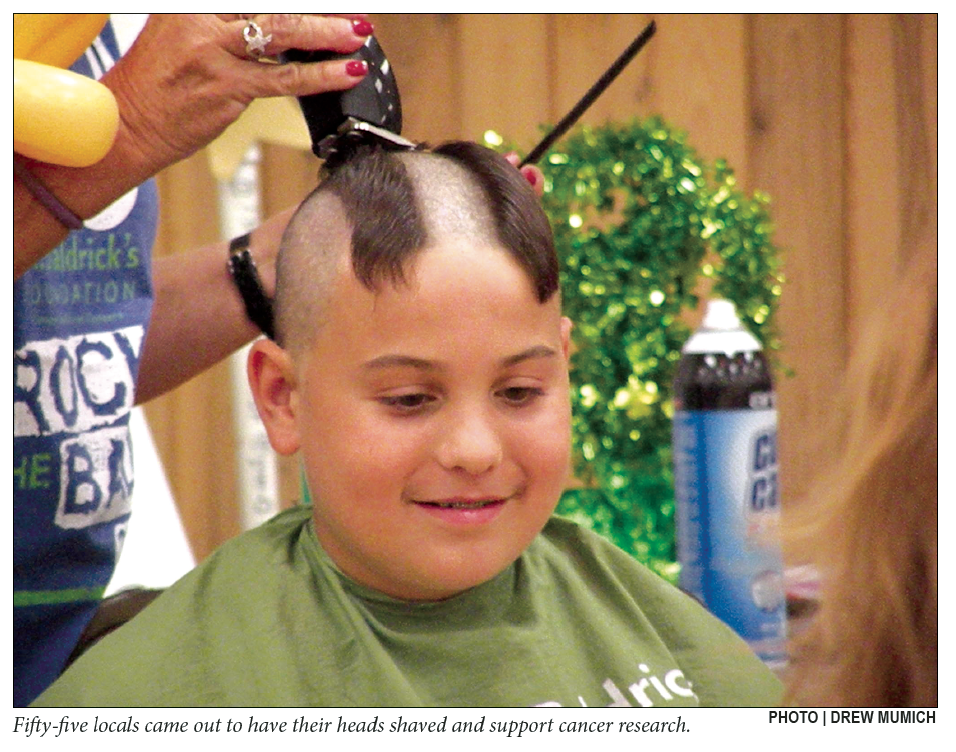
[423, 377]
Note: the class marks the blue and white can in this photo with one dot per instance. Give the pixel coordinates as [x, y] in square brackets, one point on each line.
[727, 482]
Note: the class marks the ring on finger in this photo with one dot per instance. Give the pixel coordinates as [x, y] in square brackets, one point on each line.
[255, 40]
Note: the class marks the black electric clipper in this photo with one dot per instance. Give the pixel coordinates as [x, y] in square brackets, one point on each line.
[371, 113]
[368, 113]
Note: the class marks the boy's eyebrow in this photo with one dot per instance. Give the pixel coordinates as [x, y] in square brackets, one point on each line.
[399, 361]
[538, 351]
[408, 361]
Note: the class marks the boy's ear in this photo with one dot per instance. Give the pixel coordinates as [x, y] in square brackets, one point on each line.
[272, 379]
[566, 326]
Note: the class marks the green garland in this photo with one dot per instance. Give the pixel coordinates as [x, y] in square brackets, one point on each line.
[639, 218]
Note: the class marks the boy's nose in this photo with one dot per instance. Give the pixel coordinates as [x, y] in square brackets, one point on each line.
[471, 443]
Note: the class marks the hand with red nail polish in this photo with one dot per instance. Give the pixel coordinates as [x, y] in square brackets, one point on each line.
[362, 27]
[356, 67]
[171, 117]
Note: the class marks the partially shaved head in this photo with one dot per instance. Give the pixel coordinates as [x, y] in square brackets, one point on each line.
[379, 209]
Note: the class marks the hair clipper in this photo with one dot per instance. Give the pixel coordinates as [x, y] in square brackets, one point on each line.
[368, 113]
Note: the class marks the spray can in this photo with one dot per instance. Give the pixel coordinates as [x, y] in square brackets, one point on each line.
[725, 473]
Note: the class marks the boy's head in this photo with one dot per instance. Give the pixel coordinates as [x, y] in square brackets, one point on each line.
[423, 367]
[391, 205]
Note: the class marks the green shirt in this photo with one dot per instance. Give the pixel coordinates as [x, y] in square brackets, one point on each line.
[269, 621]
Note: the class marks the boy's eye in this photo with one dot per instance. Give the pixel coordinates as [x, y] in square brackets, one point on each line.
[408, 402]
[520, 395]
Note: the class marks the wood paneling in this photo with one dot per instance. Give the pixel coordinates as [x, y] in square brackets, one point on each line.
[796, 142]
[425, 49]
[834, 116]
[914, 63]
[192, 425]
[698, 67]
[503, 69]
[873, 220]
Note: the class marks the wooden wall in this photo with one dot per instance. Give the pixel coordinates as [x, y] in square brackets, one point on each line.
[834, 116]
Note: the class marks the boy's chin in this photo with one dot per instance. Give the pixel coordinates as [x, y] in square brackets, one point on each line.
[443, 583]
[435, 593]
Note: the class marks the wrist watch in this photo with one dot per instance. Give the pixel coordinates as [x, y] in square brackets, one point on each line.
[244, 273]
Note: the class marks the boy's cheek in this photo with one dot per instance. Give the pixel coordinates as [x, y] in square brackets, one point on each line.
[550, 439]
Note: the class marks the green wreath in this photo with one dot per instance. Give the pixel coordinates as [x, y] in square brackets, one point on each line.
[639, 219]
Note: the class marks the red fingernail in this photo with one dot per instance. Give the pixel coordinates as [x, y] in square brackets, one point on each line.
[362, 28]
[356, 67]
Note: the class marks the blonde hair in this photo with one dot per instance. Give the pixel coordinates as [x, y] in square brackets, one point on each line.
[870, 524]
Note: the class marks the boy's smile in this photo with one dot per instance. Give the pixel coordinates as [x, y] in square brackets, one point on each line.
[433, 419]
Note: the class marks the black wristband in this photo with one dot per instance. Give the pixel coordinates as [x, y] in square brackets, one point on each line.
[246, 276]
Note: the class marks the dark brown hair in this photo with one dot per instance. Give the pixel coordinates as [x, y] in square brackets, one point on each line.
[388, 228]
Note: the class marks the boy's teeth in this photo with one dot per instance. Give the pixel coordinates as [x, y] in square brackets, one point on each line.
[462, 504]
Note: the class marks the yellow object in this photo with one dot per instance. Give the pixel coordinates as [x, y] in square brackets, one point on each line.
[60, 116]
[55, 38]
